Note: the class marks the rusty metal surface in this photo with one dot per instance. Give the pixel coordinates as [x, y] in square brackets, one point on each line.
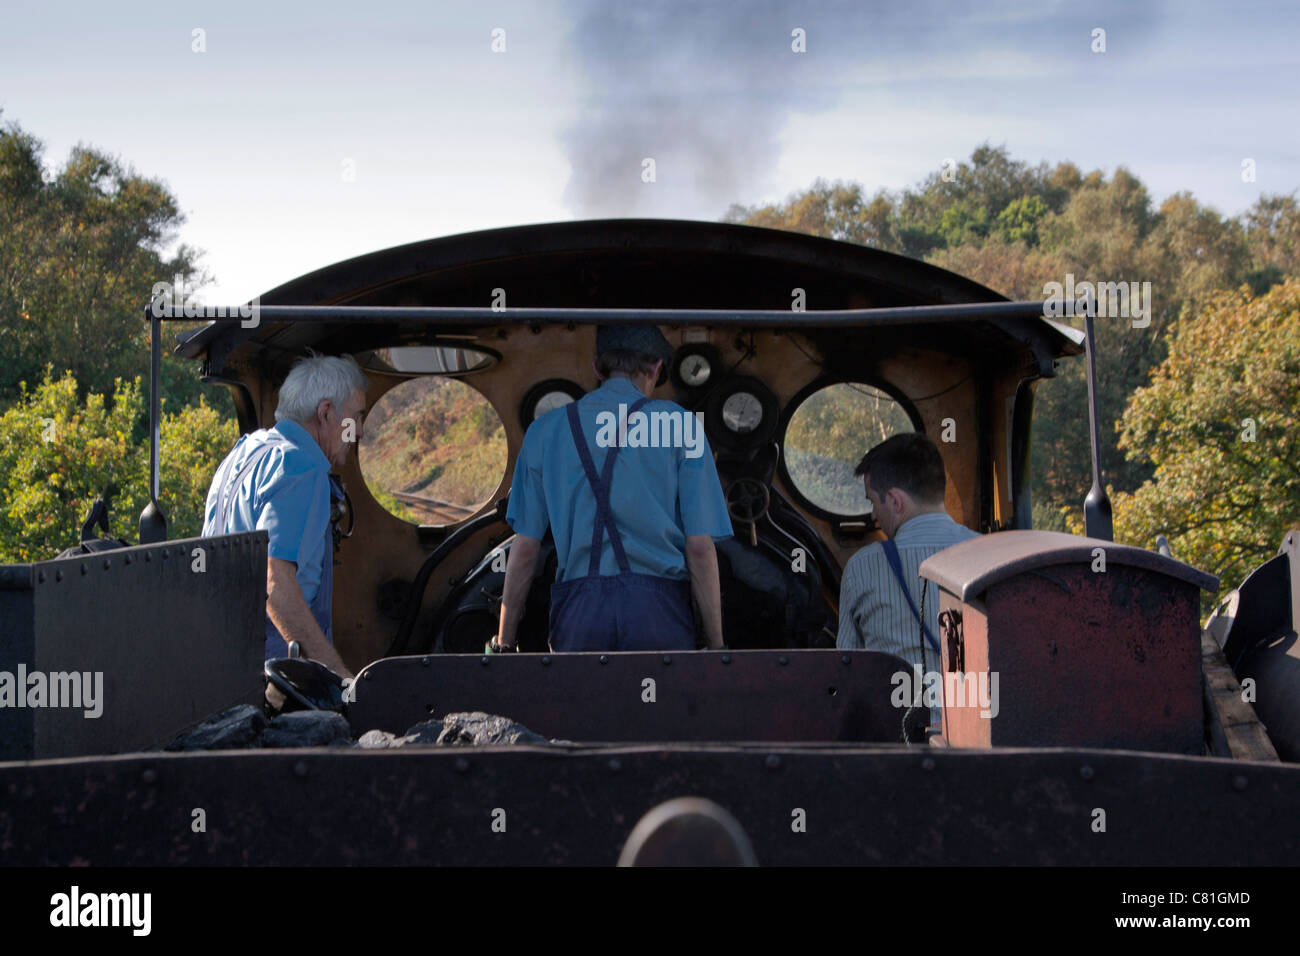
[173, 644]
[786, 695]
[1084, 659]
[894, 805]
[971, 567]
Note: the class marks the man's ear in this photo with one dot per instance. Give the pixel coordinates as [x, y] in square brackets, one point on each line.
[323, 408]
[899, 500]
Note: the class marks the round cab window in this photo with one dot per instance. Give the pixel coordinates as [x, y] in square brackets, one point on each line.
[433, 451]
[827, 436]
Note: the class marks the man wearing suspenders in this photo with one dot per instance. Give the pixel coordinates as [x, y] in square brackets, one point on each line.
[881, 590]
[278, 480]
[634, 526]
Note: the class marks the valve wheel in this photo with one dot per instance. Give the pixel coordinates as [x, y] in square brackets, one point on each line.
[747, 499]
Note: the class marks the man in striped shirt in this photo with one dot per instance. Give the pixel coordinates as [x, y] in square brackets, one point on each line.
[881, 590]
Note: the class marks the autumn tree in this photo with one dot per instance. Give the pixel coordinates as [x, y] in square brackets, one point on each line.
[1220, 423]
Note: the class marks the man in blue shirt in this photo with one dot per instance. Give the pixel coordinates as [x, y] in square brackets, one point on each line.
[278, 480]
[630, 491]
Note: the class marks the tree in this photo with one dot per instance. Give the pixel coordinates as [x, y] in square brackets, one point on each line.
[59, 452]
[835, 210]
[1220, 422]
[80, 252]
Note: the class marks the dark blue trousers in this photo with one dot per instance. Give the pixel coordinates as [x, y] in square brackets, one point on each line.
[622, 612]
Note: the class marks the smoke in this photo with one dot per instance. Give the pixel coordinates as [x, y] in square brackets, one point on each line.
[705, 89]
[701, 89]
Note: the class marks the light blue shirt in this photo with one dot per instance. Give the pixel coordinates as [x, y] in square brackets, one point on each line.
[873, 612]
[659, 495]
[286, 494]
[874, 615]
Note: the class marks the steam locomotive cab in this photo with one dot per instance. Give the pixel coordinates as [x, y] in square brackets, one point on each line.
[789, 401]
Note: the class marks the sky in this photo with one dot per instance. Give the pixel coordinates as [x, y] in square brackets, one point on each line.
[295, 135]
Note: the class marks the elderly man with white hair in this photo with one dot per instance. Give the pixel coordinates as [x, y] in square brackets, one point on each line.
[278, 480]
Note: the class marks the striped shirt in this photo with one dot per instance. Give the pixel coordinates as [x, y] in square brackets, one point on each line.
[873, 612]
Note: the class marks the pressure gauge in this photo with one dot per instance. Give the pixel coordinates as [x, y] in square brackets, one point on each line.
[694, 366]
[742, 412]
[546, 397]
[549, 402]
[695, 370]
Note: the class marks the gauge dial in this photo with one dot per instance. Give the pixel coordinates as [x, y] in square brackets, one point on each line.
[742, 412]
[549, 402]
[695, 370]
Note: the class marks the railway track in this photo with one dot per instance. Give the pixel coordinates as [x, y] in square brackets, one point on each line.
[434, 510]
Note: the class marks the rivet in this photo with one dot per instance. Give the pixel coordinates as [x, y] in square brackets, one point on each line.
[726, 658]
[58, 575]
[127, 559]
[148, 556]
[149, 775]
[40, 575]
[615, 764]
[368, 675]
[300, 769]
[783, 660]
[424, 661]
[844, 659]
[461, 765]
[667, 659]
[166, 554]
[1086, 772]
[483, 660]
[546, 660]
[604, 659]
[83, 567]
[772, 762]
[107, 564]
[927, 763]
[1239, 782]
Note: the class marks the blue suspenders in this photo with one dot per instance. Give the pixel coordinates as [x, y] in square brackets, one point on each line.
[600, 485]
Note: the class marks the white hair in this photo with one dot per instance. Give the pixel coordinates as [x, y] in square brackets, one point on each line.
[314, 379]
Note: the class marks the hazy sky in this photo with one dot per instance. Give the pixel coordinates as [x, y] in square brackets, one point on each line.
[310, 133]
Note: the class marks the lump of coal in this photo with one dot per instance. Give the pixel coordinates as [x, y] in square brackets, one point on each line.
[307, 728]
[232, 729]
[376, 740]
[475, 729]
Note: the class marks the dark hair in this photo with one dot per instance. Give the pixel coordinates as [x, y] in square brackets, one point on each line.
[626, 361]
[909, 461]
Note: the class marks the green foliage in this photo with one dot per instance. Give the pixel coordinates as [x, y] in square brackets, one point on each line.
[80, 251]
[1224, 500]
[59, 452]
[1018, 222]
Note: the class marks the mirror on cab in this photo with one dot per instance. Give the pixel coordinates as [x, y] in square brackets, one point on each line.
[426, 360]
